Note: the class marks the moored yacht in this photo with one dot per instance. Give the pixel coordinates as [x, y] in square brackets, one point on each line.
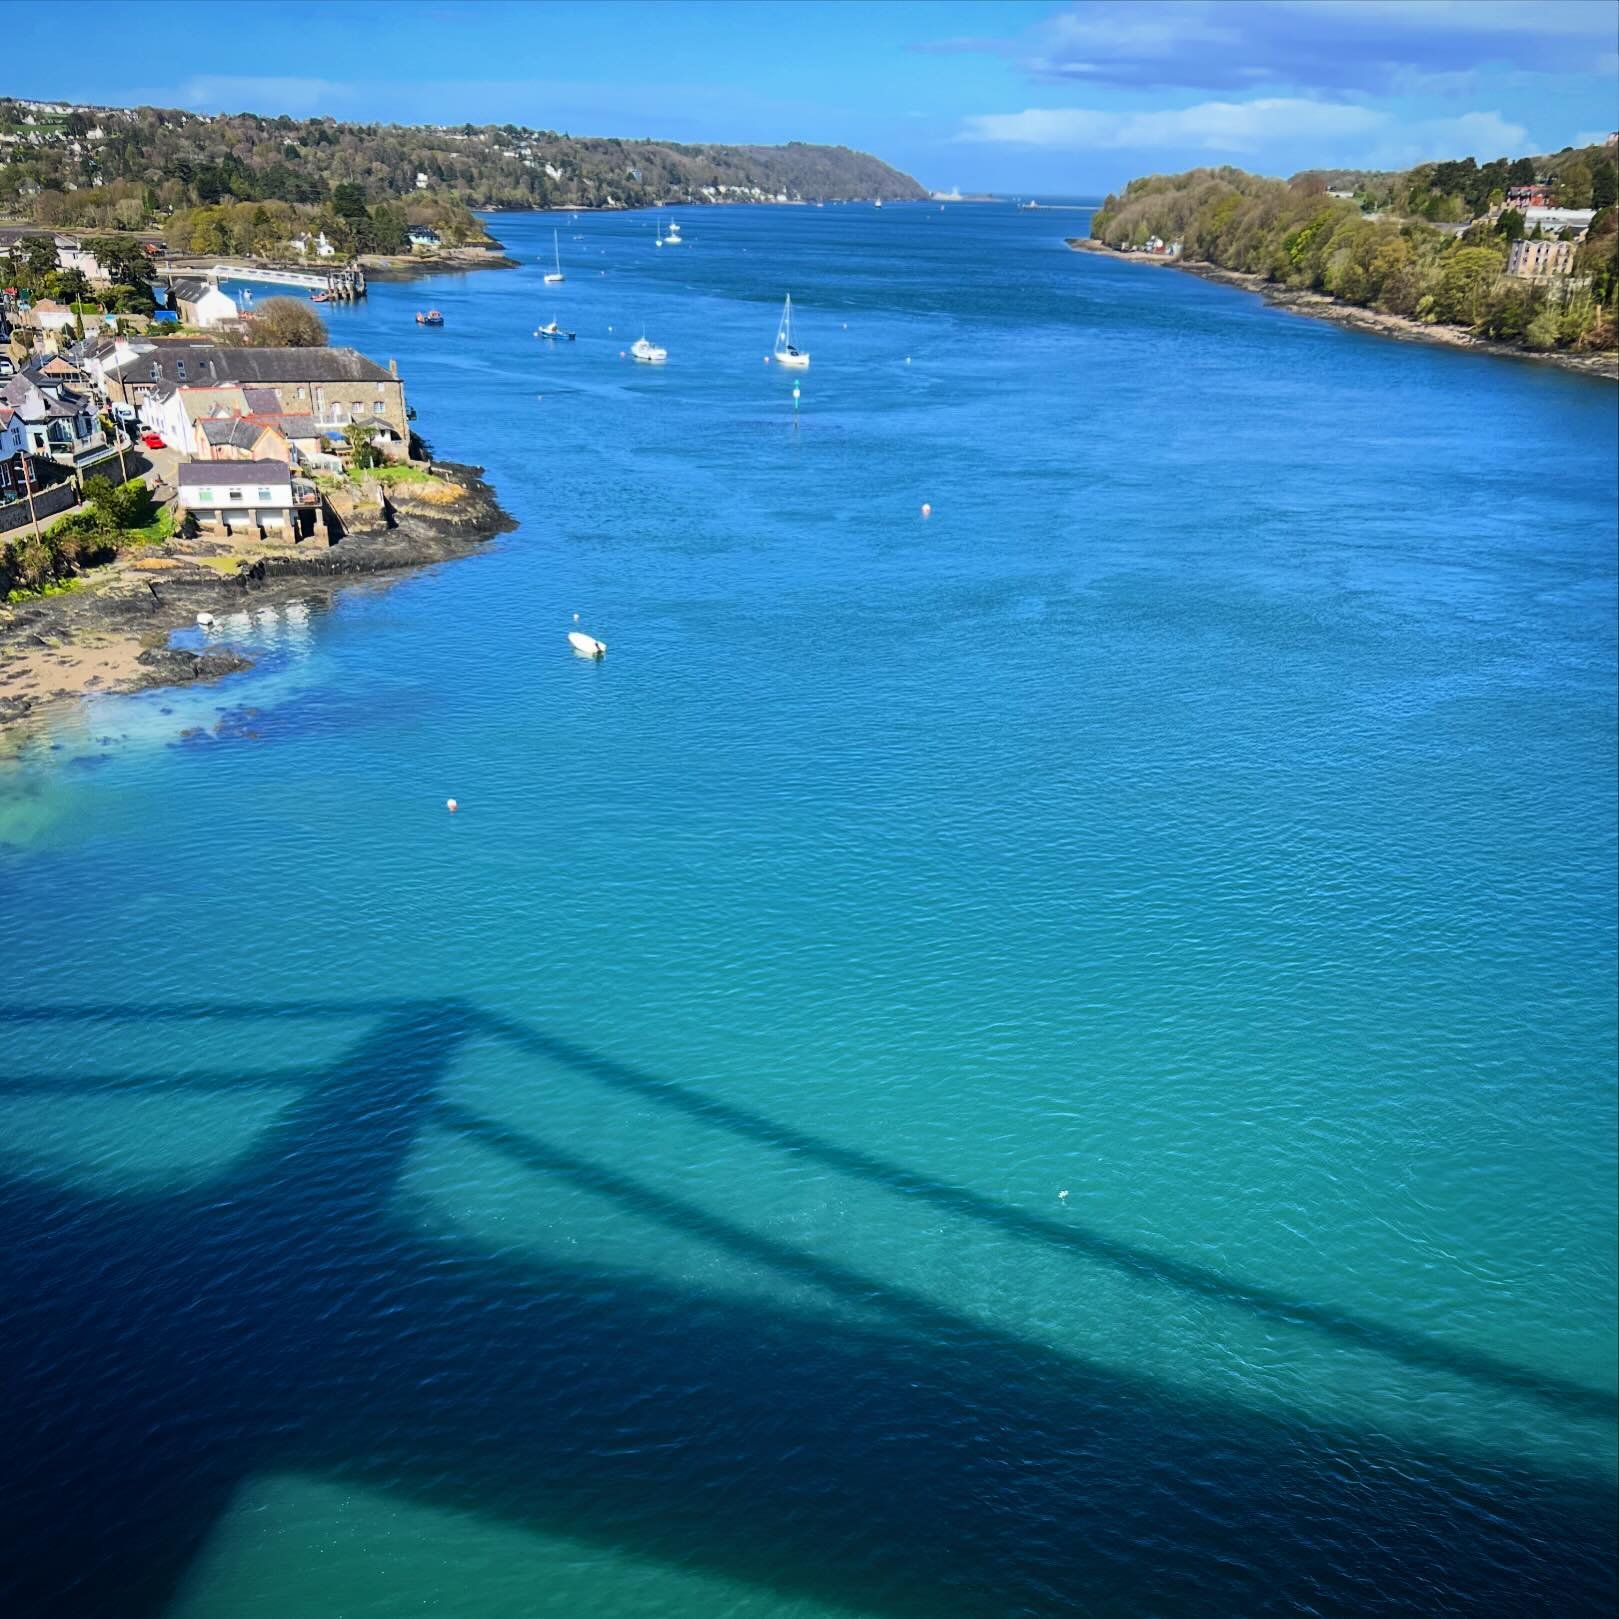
[785, 353]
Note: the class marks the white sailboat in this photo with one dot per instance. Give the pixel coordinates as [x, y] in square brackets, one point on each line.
[556, 274]
[669, 237]
[785, 353]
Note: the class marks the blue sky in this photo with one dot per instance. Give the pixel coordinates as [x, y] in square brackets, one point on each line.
[1009, 96]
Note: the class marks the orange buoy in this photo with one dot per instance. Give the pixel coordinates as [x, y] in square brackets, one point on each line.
[927, 510]
[451, 805]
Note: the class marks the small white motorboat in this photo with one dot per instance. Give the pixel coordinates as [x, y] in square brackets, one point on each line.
[647, 353]
[205, 620]
[587, 646]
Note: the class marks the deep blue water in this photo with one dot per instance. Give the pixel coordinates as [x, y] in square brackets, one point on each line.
[638, 1194]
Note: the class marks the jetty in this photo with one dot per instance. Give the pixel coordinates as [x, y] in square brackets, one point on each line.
[343, 285]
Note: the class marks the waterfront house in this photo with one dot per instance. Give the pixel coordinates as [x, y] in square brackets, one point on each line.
[239, 499]
[202, 304]
[174, 384]
[335, 386]
[422, 239]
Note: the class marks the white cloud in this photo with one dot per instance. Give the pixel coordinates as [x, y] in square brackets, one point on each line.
[1294, 133]
[1484, 135]
[1214, 126]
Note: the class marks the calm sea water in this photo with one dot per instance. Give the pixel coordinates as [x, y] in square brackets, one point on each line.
[1054, 1059]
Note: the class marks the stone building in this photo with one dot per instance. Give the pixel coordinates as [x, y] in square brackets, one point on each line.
[1535, 259]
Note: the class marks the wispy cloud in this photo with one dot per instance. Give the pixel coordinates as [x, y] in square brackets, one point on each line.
[1364, 137]
[1331, 45]
[1215, 126]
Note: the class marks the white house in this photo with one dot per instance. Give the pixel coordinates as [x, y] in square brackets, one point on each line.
[50, 316]
[239, 498]
[201, 303]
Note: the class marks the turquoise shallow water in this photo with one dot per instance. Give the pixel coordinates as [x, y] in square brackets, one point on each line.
[639, 1193]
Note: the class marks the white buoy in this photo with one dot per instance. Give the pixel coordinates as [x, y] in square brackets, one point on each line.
[927, 510]
[205, 619]
[1062, 1197]
[451, 805]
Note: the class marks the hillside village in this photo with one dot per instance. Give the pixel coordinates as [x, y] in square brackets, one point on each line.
[241, 425]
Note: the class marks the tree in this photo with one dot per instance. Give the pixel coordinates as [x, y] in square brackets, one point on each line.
[115, 507]
[1465, 283]
[39, 254]
[1522, 172]
[361, 437]
[1605, 185]
[285, 323]
[1574, 186]
[125, 262]
[1510, 225]
[71, 286]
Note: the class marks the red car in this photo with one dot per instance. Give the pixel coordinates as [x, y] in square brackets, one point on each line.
[153, 441]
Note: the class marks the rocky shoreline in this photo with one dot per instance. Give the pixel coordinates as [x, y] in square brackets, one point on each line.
[1322, 307]
[403, 267]
[111, 633]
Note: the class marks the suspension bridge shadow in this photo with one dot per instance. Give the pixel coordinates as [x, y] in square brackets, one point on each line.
[896, 1458]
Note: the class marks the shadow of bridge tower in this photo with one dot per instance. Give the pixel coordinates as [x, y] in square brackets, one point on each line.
[895, 1458]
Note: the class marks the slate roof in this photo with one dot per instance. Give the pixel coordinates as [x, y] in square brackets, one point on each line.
[193, 474]
[262, 401]
[190, 291]
[233, 431]
[300, 365]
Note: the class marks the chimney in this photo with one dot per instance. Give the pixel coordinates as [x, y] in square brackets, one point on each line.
[393, 369]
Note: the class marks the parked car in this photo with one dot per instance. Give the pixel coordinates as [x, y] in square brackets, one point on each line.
[153, 441]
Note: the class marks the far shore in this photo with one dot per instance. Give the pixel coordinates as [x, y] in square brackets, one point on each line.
[1319, 305]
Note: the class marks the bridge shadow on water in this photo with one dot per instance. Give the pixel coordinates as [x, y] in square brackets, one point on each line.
[898, 1458]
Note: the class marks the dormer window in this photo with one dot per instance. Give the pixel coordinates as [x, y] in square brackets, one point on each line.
[179, 370]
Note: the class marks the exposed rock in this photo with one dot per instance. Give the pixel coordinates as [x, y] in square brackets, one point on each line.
[169, 665]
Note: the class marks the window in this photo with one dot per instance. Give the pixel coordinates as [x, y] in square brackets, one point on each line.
[236, 495]
[264, 497]
[303, 393]
[179, 370]
[376, 407]
[206, 494]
